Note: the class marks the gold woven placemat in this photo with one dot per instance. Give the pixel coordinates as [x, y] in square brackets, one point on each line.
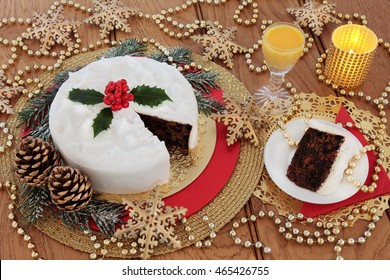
[220, 210]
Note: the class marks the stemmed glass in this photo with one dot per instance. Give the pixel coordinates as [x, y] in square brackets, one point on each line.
[283, 44]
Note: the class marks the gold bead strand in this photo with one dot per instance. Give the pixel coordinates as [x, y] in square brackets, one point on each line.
[100, 249]
[243, 5]
[163, 17]
[77, 6]
[211, 236]
[362, 239]
[349, 18]
[9, 138]
[12, 192]
[247, 243]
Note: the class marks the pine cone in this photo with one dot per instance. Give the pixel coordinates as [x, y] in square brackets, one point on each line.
[70, 189]
[34, 160]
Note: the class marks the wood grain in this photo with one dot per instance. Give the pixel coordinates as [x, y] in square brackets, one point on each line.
[302, 77]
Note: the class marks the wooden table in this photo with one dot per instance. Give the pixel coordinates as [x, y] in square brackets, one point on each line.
[302, 76]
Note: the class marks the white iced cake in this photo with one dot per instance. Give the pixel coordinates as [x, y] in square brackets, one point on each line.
[127, 157]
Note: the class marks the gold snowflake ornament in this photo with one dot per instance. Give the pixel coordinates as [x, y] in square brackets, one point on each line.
[52, 29]
[110, 15]
[241, 120]
[152, 223]
[219, 44]
[6, 93]
[314, 15]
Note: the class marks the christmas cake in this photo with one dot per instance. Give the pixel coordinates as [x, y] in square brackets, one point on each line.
[130, 156]
[322, 155]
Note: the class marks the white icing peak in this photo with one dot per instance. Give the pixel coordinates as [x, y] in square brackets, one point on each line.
[346, 151]
[126, 158]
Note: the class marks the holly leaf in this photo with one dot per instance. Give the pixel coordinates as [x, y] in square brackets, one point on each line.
[102, 121]
[86, 96]
[149, 96]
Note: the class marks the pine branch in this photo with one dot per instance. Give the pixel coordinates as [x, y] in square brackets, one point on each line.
[133, 47]
[202, 81]
[207, 104]
[36, 114]
[32, 202]
[41, 130]
[180, 55]
[106, 216]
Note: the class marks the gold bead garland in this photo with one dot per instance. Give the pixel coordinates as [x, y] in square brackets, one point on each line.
[12, 207]
[244, 4]
[247, 243]
[324, 232]
[4, 129]
[101, 248]
[202, 243]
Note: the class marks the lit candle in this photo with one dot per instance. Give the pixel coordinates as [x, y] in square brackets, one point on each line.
[350, 55]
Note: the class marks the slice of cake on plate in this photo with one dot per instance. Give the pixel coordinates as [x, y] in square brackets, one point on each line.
[131, 155]
[322, 155]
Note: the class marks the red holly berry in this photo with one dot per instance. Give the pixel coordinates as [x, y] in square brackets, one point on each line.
[107, 100]
[118, 93]
[111, 97]
[125, 104]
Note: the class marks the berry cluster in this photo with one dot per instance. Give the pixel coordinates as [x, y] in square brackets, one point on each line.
[117, 95]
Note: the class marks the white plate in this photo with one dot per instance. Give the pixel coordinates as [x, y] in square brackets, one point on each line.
[278, 155]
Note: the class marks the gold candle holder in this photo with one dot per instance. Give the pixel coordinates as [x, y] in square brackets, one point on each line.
[350, 55]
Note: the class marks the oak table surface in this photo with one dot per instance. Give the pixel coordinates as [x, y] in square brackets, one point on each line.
[303, 78]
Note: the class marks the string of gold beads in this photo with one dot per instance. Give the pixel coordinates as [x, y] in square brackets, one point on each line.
[349, 18]
[211, 236]
[9, 138]
[247, 243]
[164, 17]
[377, 169]
[362, 239]
[245, 4]
[101, 248]
[325, 232]
[283, 126]
[70, 3]
[12, 207]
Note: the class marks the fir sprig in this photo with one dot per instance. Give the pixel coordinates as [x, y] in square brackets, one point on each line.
[133, 47]
[180, 55]
[32, 202]
[207, 104]
[106, 216]
[202, 81]
[36, 115]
